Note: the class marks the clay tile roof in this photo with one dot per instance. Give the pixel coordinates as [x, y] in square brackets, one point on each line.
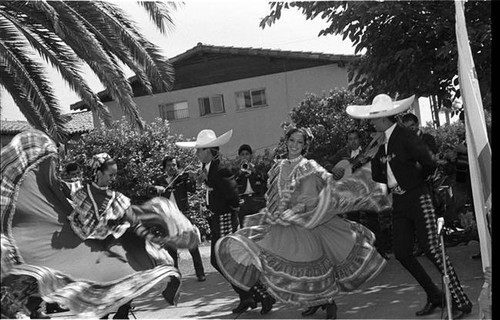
[13, 127]
[80, 122]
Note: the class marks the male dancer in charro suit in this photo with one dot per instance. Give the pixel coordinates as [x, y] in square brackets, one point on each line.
[404, 164]
[223, 202]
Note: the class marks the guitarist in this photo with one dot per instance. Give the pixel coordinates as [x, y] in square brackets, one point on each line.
[345, 162]
[350, 153]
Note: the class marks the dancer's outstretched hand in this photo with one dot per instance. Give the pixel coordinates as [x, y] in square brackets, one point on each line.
[287, 214]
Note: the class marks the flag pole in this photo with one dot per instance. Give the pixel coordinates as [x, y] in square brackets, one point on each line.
[478, 150]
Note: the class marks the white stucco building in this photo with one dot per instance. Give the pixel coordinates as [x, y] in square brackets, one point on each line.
[245, 89]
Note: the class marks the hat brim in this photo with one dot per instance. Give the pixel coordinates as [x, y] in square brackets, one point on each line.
[217, 142]
[365, 112]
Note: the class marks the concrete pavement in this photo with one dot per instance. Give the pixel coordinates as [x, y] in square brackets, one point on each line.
[394, 294]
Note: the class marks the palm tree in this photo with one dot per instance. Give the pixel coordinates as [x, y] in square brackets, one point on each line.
[69, 34]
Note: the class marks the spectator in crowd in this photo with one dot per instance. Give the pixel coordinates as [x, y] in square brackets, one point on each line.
[251, 184]
[411, 122]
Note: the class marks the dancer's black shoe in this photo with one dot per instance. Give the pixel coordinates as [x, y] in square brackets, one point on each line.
[122, 312]
[331, 310]
[38, 314]
[244, 305]
[54, 308]
[429, 308]
[310, 311]
[267, 304]
[458, 313]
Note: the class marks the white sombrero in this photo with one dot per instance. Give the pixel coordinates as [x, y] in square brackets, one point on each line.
[207, 139]
[382, 106]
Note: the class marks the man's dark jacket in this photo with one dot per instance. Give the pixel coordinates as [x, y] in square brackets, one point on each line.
[258, 182]
[408, 156]
[223, 195]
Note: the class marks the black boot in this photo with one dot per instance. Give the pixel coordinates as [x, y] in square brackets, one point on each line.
[54, 308]
[331, 310]
[259, 294]
[123, 311]
[170, 292]
[244, 305]
[34, 306]
[310, 311]
[38, 314]
[267, 304]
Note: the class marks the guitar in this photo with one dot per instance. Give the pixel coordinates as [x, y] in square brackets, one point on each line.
[350, 166]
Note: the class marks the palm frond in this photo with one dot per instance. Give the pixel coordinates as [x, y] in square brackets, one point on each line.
[98, 23]
[159, 12]
[68, 34]
[85, 45]
[63, 59]
[24, 77]
[157, 67]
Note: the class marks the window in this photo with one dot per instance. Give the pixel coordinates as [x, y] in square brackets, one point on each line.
[213, 104]
[174, 111]
[251, 98]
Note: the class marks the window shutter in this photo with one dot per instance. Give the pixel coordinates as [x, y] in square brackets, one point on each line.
[217, 104]
[204, 104]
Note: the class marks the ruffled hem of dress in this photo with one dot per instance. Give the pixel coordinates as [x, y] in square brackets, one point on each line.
[88, 299]
[310, 283]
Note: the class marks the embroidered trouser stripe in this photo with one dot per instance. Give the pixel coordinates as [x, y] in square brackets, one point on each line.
[460, 299]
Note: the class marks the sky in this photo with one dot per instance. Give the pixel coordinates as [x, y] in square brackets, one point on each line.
[220, 23]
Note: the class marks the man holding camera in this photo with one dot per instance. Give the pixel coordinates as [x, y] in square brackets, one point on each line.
[252, 184]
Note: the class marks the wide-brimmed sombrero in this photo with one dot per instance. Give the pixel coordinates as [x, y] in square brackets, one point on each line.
[382, 106]
[207, 139]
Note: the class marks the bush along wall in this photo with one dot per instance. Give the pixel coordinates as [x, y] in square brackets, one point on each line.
[138, 156]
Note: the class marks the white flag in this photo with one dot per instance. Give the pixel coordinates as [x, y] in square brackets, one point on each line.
[478, 146]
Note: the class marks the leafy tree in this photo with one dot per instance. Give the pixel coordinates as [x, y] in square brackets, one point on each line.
[409, 46]
[69, 34]
[328, 121]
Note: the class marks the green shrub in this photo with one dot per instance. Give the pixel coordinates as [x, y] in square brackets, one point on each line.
[138, 156]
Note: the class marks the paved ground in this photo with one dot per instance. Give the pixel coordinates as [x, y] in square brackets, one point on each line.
[392, 295]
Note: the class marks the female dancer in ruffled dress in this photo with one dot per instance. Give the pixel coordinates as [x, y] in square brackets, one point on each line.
[93, 257]
[298, 246]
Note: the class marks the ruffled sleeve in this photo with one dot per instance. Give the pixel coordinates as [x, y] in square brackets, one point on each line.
[171, 225]
[322, 197]
[86, 223]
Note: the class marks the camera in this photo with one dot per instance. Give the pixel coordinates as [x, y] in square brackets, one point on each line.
[246, 166]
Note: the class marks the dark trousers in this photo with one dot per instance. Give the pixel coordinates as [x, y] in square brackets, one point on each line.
[414, 215]
[370, 219]
[195, 254]
[251, 204]
[220, 226]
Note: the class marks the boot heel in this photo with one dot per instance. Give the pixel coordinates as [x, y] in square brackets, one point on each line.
[331, 311]
[310, 311]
